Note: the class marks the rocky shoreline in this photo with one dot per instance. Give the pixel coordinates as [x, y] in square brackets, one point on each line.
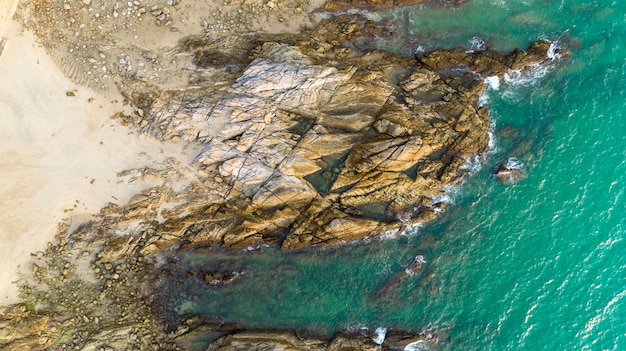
[305, 142]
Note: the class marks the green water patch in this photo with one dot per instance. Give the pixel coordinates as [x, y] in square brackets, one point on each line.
[337, 285]
[303, 125]
[324, 179]
[376, 210]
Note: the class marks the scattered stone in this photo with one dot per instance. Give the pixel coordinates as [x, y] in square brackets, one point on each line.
[3, 43]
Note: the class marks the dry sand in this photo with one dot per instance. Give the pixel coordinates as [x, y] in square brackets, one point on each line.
[57, 152]
[7, 9]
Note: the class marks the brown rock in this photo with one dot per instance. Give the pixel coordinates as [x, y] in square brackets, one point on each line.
[373, 5]
[314, 151]
[259, 340]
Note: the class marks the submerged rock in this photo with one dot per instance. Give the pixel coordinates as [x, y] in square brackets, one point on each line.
[510, 171]
[253, 340]
[396, 280]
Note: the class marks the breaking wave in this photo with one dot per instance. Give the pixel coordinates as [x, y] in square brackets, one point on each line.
[380, 335]
[417, 346]
[530, 76]
[476, 44]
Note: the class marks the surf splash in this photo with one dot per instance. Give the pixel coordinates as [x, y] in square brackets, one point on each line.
[531, 75]
[380, 335]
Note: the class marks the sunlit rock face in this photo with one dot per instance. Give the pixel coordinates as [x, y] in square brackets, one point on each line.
[307, 145]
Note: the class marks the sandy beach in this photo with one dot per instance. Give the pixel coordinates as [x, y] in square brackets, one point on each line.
[59, 154]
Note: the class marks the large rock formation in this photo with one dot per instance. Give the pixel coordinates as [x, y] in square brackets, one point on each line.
[305, 148]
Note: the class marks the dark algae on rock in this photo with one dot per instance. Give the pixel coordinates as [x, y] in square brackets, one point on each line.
[304, 142]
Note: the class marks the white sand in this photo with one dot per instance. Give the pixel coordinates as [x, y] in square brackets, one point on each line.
[7, 9]
[51, 148]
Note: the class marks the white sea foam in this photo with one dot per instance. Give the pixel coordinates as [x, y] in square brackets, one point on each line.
[438, 210]
[524, 78]
[492, 144]
[493, 82]
[448, 196]
[420, 259]
[417, 346]
[390, 234]
[531, 75]
[476, 44]
[381, 332]
[472, 165]
[483, 99]
[412, 228]
[552, 54]
[514, 163]
[528, 76]
[407, 230]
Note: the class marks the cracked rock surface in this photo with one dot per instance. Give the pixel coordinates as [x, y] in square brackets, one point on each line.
[301, 149]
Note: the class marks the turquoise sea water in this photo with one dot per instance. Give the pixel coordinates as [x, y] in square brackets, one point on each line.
[536, 265]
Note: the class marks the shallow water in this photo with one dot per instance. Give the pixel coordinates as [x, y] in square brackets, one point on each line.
[537, 265]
